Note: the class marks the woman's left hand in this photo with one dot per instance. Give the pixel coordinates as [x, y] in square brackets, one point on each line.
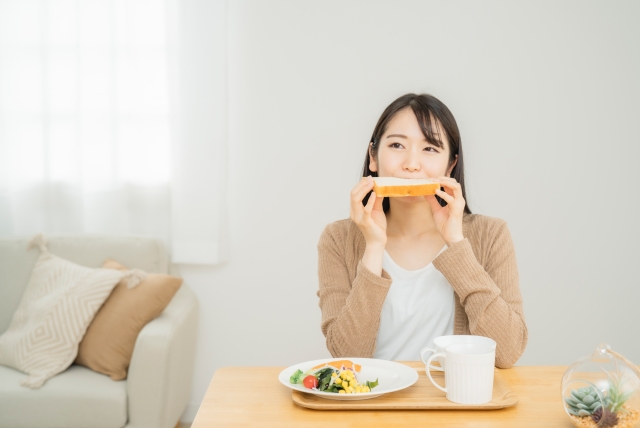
[448, 219]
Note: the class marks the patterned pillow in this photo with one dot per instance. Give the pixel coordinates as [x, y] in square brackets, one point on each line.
[58, 305]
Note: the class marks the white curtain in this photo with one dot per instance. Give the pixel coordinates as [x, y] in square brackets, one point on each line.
[92, 131]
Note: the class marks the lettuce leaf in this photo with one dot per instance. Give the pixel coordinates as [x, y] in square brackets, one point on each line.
[334, 388]
[372, 385]
[324, 378]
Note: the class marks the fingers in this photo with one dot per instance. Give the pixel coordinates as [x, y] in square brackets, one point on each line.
[451, 186]
[357, 195]
[369, 207]
[444, 195]
[378, 202]
[453, 192]
[361, 189]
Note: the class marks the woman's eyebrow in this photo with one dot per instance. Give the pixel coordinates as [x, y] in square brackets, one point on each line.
[405, 137]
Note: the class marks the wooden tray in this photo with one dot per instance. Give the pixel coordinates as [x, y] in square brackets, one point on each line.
[421, 395]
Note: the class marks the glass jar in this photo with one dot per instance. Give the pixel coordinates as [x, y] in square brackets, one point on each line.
[602, 390]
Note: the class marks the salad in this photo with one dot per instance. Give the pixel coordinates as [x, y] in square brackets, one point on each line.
[335, 376]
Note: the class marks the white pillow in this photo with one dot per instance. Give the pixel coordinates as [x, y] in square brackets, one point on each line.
[58, 305]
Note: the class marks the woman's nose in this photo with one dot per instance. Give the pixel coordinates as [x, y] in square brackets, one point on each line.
[412, 163]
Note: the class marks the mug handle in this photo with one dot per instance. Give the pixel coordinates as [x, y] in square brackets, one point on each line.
[430, 367]
[437, 354]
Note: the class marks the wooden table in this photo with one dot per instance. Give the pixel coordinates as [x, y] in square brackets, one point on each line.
[253, 396]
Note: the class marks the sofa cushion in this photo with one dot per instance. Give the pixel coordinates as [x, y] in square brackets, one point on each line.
[77, 397]
[108, 344]
[60, 301]
[16, 263]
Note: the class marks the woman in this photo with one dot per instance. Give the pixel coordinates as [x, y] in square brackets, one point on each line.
[403, 271]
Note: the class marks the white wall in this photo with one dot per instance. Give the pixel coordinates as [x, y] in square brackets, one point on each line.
[546, 95]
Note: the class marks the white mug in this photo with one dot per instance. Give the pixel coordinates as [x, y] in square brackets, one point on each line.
[468, 373]
[441, 341]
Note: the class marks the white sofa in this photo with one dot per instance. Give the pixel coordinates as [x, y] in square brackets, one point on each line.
[157, 389]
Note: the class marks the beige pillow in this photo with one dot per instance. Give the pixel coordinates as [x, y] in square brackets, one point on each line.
[108, 345]
[58, 304]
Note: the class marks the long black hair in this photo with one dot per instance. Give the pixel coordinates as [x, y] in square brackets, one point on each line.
[429, 111]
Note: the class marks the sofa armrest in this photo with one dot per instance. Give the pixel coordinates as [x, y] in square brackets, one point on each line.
[161, 369]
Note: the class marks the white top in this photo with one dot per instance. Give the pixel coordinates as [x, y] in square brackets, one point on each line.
[418, 308]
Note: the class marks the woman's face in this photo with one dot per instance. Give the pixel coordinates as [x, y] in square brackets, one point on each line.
[404, 151]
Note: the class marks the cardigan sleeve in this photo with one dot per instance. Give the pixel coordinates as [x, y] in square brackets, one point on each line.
[350, 310]
[490, 294]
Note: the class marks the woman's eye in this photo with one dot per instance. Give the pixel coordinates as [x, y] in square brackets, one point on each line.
[396, 145]
[431, 149]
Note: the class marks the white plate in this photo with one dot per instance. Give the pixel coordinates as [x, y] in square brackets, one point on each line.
[391, 377]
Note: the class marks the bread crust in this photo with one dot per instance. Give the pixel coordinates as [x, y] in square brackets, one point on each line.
[411, 190]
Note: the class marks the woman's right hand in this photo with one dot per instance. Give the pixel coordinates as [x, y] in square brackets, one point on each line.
[369, 218]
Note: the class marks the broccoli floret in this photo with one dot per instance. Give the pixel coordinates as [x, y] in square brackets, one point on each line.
[297, 377]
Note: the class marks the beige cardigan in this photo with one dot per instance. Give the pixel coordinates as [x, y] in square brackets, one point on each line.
[481, 269]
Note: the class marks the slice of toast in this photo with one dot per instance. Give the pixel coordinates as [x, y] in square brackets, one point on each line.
[393, 186]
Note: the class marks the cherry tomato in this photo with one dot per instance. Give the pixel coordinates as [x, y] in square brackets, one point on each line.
[310, 382]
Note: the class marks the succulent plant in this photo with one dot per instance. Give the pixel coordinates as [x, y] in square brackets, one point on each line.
[583, 401]
[615, 398]
[604, 418]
